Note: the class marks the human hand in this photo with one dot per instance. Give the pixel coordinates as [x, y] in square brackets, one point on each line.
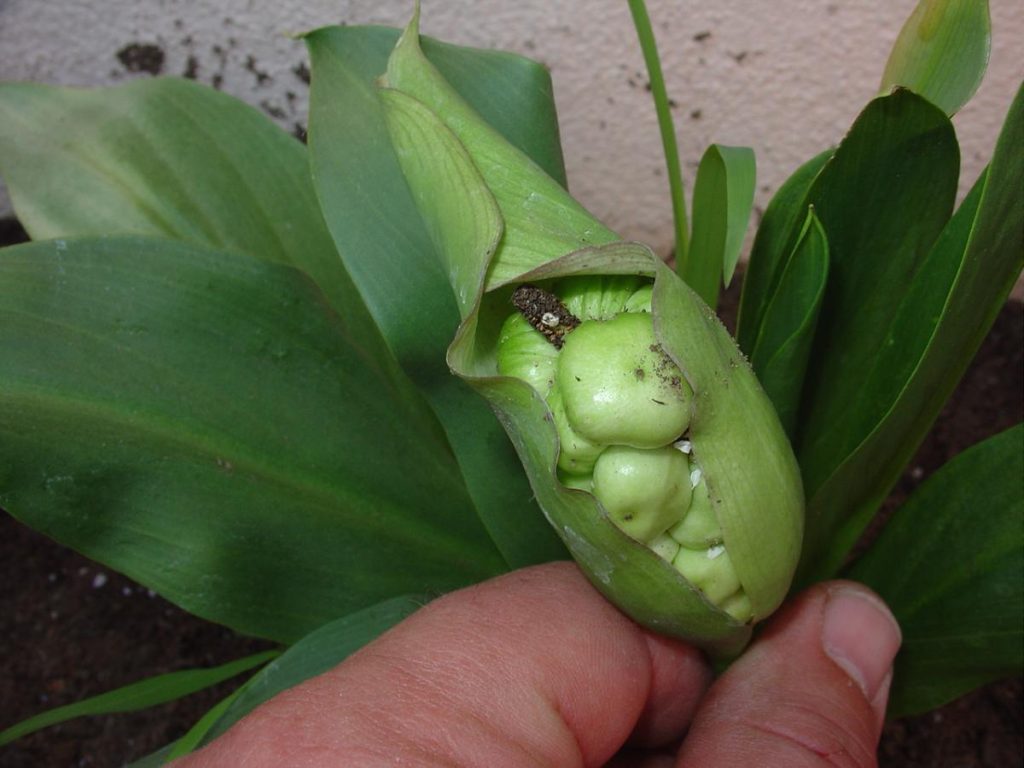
[535, 668]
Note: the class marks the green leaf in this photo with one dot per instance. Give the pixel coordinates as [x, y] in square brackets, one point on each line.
[170, 158]
[937, 323]
[769, 256]
[950, 565]
[200, 421]
[387, 250]
[783, 348]
[541, 218]
[723, 197]
[140, 695]
[663, 109]
[942, 52]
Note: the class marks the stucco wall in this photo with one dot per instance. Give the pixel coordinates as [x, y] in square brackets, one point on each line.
[785, 77]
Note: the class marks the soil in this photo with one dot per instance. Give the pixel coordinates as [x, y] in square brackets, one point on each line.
[71, 629]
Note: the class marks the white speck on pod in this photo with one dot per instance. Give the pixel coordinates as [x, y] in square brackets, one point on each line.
[695, 476]
[99, 580]
[550, 319]
[715, 551]
[683, 445]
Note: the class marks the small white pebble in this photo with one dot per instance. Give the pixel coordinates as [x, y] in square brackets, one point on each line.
[550, 319]
[695, 478]
[715, 551]
[683, 445]
[99, 580]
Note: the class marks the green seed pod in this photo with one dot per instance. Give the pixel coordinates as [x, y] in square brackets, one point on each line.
[636, 369]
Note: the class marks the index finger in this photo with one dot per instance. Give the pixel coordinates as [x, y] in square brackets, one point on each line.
[531, 668]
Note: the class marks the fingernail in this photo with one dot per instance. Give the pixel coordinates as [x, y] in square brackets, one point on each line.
[861, 636]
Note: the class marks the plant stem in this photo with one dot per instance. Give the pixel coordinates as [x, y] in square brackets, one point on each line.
[649, 47]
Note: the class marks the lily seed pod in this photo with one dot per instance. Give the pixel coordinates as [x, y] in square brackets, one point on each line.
[648, 442]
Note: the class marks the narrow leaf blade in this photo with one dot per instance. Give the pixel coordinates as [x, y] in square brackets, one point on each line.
[723, 197]
[958, 590]
[782, 352]
[140, 695]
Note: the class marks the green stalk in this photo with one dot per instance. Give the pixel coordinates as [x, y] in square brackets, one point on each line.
[649, 47]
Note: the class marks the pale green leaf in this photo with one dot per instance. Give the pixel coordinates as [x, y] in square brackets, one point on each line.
[942, 52]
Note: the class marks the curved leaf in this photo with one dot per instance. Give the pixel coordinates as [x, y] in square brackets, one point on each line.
[958, 590]
[783, 348]
[388, 253]
[140, 695]
[780, 224]
[935, 329]
[170, 158]
[942, 52]
[723, 196]
[199, 421]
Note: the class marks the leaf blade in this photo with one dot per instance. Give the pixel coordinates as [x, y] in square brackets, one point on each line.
[139, 695]
[942, 52]
[958, 591]
[723, 197]
[133, 364]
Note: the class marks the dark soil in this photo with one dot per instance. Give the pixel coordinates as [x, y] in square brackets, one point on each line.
[71, 629]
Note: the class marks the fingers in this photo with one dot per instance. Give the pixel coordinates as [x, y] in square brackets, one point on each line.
[533, 668]
[810, 692]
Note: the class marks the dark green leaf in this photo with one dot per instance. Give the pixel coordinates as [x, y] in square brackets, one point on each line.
[387, 250]
[140, 695]
[200, 421]
[783, 348]
[935, 328]
[723, 197]
[950, 565]
[942, 52]
[768, 258]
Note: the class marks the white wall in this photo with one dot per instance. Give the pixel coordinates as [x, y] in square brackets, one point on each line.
[783, 76]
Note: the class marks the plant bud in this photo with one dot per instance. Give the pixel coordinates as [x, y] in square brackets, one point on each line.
[648, 442]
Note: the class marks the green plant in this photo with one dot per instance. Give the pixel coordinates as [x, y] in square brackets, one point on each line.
[200, 393]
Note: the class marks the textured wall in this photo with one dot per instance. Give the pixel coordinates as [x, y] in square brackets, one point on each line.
[785, 77]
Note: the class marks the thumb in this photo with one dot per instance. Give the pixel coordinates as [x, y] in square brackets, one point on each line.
[810, 691]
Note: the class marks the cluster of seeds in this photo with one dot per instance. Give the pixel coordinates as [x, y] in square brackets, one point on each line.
[621, 408]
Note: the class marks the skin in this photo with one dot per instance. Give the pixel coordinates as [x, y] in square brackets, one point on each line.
[535, 669]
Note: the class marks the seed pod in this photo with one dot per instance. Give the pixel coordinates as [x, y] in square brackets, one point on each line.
[647, 385]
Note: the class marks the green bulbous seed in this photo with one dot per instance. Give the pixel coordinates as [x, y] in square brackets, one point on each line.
[700, 528]
[645, 491]
[576, 454]
[618, 385]
[665, 547]
[576, 482]
[641, 300]
[597, 297]
[738, 606]
[524, 353]
[710, 570]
